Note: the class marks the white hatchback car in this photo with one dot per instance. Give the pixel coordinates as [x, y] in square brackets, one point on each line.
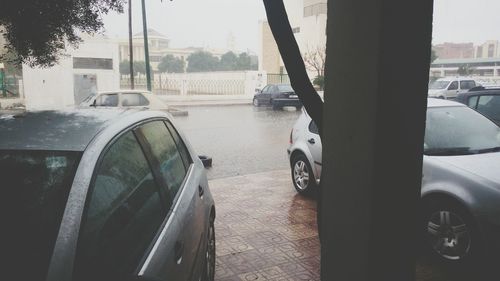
[126, 99]
[460, 185]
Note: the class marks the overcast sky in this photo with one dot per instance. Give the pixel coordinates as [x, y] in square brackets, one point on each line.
[209, 22]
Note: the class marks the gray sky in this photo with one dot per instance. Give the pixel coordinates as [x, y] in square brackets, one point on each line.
[209, 22]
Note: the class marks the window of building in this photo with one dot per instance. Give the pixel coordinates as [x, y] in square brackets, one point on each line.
[123, 214]
[92, 63]
[133, 99]
[164, 149]
[315, 9]
[491, 50]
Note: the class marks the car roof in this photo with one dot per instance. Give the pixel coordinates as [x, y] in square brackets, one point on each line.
[64, 130]
[126, 92]
[481, 91]
[450, 78]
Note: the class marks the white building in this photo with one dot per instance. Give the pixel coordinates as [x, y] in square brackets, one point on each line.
[308, 21]
[92, 67]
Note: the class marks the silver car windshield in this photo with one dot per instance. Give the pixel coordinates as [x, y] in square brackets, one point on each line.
[459, 131]
[35, 186]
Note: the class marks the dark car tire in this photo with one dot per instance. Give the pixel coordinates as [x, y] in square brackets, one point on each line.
[300, 164]
[275, 106]
[209, 268]
[460, 225]
[256, 102]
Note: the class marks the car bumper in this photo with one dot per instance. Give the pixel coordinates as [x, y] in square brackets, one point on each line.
[491, 234]
[286, 102]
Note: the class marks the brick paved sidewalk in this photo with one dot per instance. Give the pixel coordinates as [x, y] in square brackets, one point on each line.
[264, 229]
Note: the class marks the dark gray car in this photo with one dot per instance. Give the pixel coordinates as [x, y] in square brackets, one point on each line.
[277, 96]
[103, 195]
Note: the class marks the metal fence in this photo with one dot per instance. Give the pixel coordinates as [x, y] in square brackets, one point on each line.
[192, 84]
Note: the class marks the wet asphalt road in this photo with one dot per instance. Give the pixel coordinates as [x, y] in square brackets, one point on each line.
[241, 139]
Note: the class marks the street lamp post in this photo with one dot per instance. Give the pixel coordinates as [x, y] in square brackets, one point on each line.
[130, 45]
[2, 80]
[146, 46]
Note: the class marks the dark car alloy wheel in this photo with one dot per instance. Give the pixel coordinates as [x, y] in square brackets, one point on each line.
[209, 271]
[302, 174]
[451, 233]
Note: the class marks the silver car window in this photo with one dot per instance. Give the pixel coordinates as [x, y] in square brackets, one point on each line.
[123, 214]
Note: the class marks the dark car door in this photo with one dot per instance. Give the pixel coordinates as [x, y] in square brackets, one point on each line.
[265, 96]
[489, 105]
[124, 214]
[183, 188]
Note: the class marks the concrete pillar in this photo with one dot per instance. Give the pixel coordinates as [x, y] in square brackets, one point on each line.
[374, 122]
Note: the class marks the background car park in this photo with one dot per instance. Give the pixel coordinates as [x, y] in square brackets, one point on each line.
[111, 194]
[450, 87]
[460, 186]
[277, 96]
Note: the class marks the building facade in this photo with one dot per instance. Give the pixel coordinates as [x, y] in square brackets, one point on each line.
[92, 67]
[308, 21]
[489, 49]
[454, 50]
[159, 47]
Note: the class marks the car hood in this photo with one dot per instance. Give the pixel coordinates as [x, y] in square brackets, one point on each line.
[435, 92]
[486, 165]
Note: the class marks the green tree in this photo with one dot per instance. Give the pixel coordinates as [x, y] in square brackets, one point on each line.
[244, 62]
[465, 70]
[37, 31]
[171, 64]
[202, 61]
[140, 67]
[125, 67]
[320, 82]
[228, 61]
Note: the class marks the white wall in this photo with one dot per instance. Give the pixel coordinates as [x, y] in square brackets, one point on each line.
[53, 87]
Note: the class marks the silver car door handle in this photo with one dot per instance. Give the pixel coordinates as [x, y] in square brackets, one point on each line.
[178, 251]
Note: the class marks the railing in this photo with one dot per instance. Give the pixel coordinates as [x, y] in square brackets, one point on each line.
[207, 83]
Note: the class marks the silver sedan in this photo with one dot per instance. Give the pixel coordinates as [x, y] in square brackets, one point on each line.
[461, 178]
[103, 195]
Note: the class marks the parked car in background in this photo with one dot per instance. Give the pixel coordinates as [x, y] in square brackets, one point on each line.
[126, 99]
[461, 179]
[98, 194]
[450, 87]
[484, 100]
[277, 96]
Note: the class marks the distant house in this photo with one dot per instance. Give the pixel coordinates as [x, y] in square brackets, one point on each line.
[92, 67]
[159, 46]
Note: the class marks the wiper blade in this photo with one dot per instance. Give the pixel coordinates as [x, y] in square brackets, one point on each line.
[449, 151]
[486, 150]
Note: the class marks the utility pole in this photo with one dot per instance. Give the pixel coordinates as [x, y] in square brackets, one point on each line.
[130, 45]
[146, 47]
